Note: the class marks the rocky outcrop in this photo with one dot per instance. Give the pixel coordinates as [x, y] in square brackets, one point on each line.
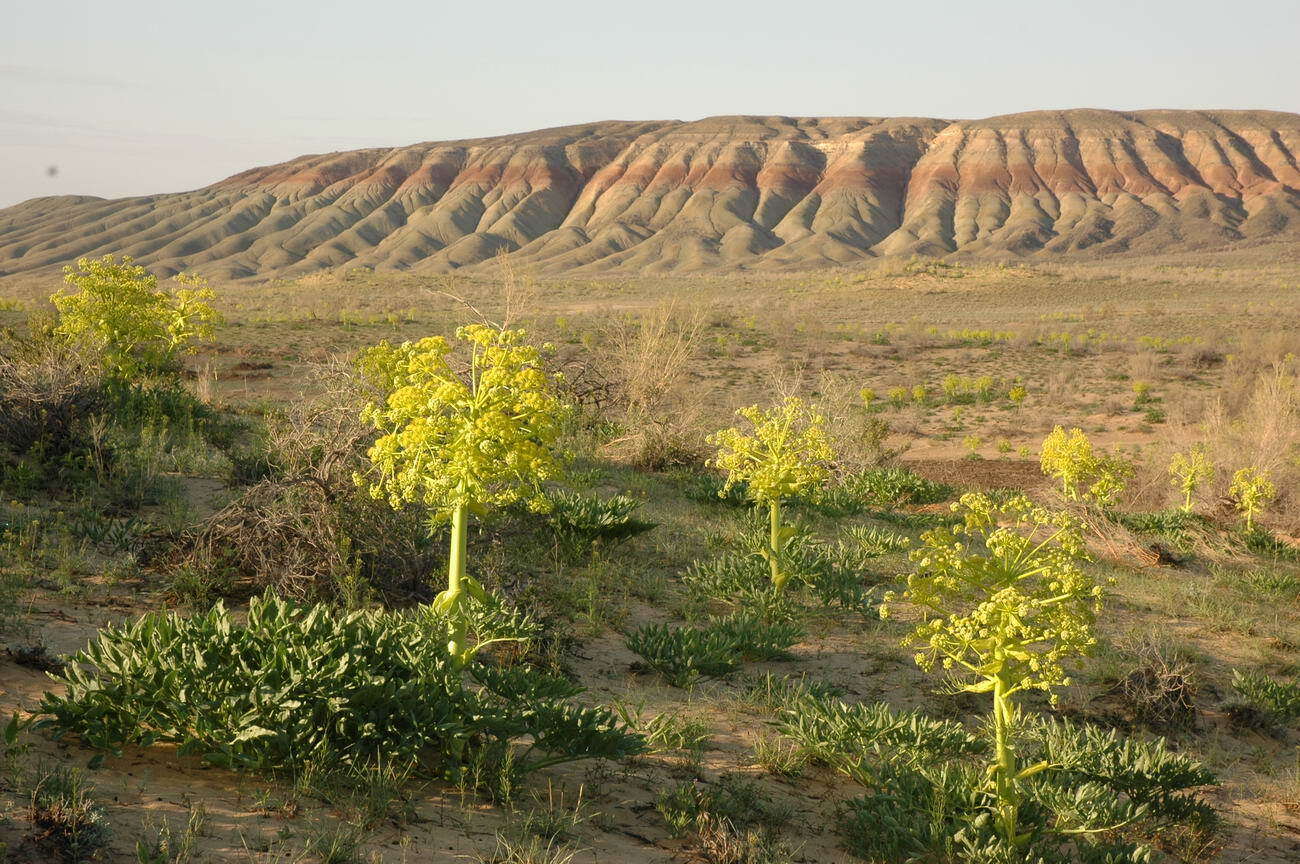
[721, 193]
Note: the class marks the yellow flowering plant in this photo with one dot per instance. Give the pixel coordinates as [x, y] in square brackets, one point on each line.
[784, 456]
[138, 327]
[1188, 471]
[1253, 490]
[462, 443]
[1083, 472]
[1004, 602]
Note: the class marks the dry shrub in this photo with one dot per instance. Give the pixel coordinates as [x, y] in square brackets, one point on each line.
[1159, 690]
[721, 842]
[860, 438]
[649, 360]
[48, 388]
[1257, 423]
[1144, 366]
[307, 530]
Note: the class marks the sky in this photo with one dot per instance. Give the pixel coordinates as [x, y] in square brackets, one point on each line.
[131, 97]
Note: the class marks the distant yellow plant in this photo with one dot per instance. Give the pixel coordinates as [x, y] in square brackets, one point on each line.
[1253, 490]
[138, 328]
[1070, 458]
[462, 443]
[1190, 470]
[785, 456]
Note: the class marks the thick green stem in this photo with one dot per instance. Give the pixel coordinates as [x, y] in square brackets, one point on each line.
[1006, 769]
[455, 578]
[774, 544]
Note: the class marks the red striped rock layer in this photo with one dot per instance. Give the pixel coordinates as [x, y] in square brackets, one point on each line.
[714, 194]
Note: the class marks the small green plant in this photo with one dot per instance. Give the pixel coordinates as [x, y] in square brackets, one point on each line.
[685, 655]
[66, 817]
[168, 848]
[738, 800]
[582, 521]
[527, 850]
[954, 387]
[1084, 473]
[771, 693]
[972, 444]
[669, 731]
[139, 329]
[460, 444]
[1189, 471]
[1005, 604]
[879, 489]
[756, 636]
[1277, 701]
[780, 757]
[784, 457]
[1252, 490]
[1141, 393]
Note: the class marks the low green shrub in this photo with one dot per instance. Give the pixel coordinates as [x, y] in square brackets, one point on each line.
[835, 573]
[1261, 541]
[727, 576]
[295, 681]
[772, 693]
[739, 800]
[1273, 583]
[583, 521]
[685, 656]
[1093, 796]
[757, 638]
[1277, 701]
[712, 488]
[879, 489]
[873, 541]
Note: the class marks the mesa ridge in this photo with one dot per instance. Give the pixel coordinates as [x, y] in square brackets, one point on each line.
[763, 193]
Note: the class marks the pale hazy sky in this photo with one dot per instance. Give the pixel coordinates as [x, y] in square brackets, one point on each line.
[129, 97]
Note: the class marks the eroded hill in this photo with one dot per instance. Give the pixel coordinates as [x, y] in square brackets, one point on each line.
[725, 192]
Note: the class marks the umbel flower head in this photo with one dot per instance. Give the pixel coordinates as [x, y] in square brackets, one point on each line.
[479, 439]
[784, 456]
[1003, 594]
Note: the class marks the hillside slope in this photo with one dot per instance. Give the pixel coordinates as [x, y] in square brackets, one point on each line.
[725, 192]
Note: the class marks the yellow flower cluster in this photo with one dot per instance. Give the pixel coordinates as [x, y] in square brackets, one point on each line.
[1189, 471]
[1253, 490]
[1003, 594]
[1070, 458]
[786, 454]
[484, 438]
[119, 309]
